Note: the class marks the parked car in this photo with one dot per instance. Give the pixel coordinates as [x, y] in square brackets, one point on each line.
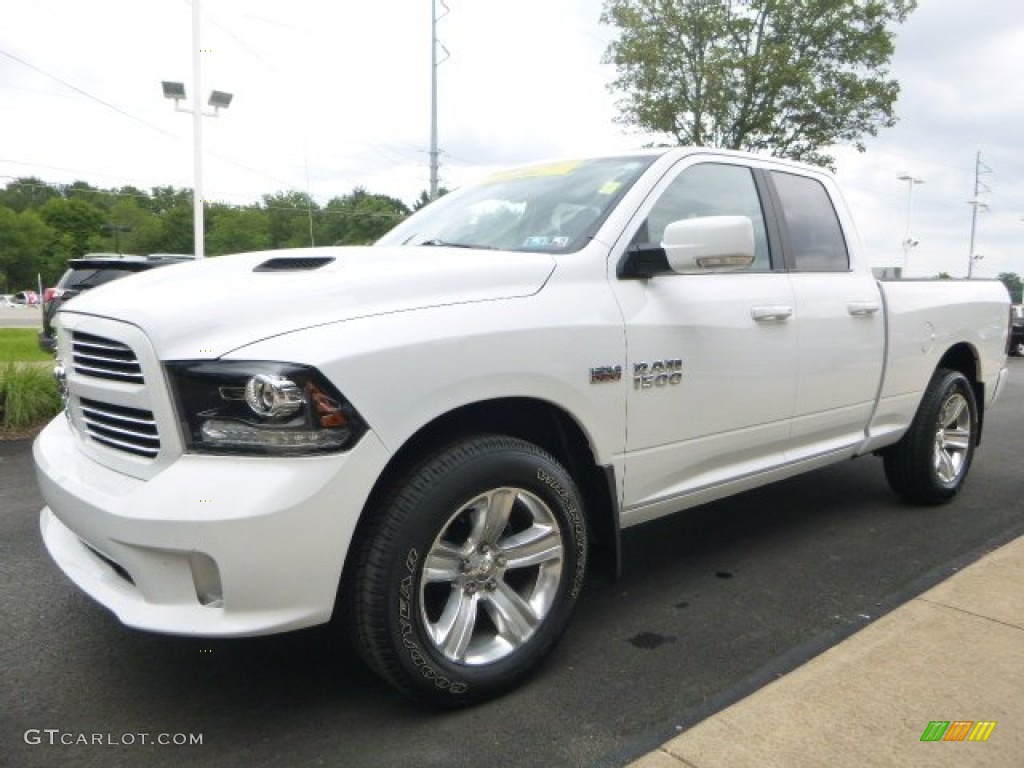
[7, 300]
[25, 299]
[1017, 331]
[88, 272]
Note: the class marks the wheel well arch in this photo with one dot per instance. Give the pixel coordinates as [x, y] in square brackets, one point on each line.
[963, 357]
[537, 421]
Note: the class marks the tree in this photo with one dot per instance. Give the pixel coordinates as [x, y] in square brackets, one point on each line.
[360, 217]
[1014, 284]
[424, 198]
[290, 215]
[235, 230]
[25, 193]
[24, 241]
[789, 77]
[78, 226]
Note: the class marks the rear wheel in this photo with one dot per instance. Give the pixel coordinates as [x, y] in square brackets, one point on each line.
[470, 570]
[930, 463]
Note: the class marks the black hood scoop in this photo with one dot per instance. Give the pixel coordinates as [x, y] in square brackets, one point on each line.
[294, 264]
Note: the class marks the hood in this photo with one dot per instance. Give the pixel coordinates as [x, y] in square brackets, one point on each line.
[229, 301]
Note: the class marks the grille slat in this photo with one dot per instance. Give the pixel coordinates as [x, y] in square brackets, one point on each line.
[125, 429]
[102, 358]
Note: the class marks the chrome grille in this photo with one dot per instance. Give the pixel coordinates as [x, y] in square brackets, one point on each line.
[104, 358]
[124, 429]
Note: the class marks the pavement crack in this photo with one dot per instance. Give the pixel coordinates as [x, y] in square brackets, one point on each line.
[971, 613]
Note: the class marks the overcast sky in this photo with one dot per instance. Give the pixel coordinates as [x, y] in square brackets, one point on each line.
[331, 94]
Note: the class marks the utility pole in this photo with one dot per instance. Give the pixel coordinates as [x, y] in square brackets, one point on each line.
[976, 202]
[434, 63]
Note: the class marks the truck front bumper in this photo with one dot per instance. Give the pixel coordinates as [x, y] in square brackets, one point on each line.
[212, 545]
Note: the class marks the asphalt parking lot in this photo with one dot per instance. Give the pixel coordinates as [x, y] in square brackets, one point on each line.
[712, 605]
[20, 317]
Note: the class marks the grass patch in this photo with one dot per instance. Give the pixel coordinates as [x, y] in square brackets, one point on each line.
[28, 397]
[21, 345]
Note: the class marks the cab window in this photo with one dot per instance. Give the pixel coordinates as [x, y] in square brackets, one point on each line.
[816, 242]
[710, 189]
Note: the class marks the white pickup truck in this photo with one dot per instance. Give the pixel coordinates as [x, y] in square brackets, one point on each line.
[429, 436]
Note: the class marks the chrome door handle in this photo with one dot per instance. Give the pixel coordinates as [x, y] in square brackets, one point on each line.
[863, 308]
[771, 313]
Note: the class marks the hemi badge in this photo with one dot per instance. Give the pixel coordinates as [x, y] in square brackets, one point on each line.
[605, 373]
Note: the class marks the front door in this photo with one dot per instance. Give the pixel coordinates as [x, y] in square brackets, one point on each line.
[711, 358]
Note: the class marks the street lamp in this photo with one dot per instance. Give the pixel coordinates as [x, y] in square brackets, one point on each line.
[218, 100]
[977, 204]
[908, 241]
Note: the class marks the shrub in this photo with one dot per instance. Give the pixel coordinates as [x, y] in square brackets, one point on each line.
[28, 396]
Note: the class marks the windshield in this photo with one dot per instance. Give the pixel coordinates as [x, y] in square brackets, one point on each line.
[554, 208]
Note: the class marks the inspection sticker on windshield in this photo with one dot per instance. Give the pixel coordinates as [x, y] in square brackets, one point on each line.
[542, 241]
[609, 188]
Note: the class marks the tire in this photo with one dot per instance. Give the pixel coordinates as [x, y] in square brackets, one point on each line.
[930, 463]
[469, 571]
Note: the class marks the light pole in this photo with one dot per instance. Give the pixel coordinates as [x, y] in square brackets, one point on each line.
[908, 241]
[977, 205]
[218, 100]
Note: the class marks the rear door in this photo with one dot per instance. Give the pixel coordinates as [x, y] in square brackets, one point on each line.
[841, 321]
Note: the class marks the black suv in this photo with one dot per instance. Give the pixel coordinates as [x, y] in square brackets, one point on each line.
[88, 272]
[1017, 331]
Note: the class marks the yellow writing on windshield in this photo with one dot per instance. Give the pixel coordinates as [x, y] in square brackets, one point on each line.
[532, 171]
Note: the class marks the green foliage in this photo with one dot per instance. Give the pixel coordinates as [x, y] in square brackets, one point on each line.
[943, 276]
[24, 248]
[360, 218]
[21, 345]
[30, 192]
[236, 230]
[424, 198]
[789, 77]
[28, 396]
[42, 226]
[1014, 284]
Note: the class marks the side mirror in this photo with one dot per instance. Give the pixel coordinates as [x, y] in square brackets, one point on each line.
[709, 244]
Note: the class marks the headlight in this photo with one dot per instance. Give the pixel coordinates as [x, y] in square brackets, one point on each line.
[233, 407]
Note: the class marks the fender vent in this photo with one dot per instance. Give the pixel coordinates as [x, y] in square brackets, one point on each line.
[295, 264]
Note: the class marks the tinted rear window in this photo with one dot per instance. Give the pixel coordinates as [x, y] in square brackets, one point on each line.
[79, 279]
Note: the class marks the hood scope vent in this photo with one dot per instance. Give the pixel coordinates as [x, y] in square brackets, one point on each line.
[296, 264]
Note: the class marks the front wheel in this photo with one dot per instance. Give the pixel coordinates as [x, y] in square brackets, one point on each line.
[930, 463]
[469, 570]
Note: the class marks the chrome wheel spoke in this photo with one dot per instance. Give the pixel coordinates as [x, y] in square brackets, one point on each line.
[454, 630]
[512, 615]
[952, 438]
[953, 411]
[957, 439]
[443, 563]
[535, 546]
[944, 465]
[492, 513]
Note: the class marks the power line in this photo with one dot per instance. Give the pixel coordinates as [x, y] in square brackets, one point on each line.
[86, 94]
